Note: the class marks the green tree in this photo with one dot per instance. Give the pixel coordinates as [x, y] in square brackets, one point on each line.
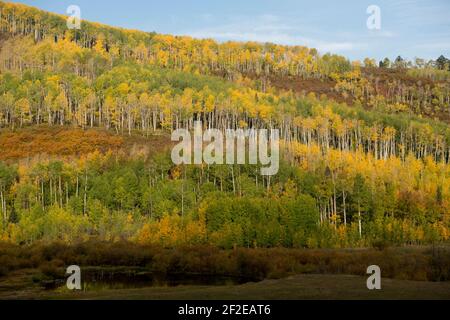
[361, 198]
[8, 176]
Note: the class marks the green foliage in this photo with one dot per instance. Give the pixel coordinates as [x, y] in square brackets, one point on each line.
[113, 198]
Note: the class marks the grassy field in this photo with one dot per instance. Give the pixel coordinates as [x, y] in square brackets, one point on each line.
[301, 287]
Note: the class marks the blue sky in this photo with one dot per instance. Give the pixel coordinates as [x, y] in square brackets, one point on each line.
[411, 28]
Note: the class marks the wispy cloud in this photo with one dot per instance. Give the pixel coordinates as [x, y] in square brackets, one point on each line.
[271, 28]
[433, 46]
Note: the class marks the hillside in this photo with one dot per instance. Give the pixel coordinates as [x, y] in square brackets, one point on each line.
[87, 176]
[86, 116]
[422, 90]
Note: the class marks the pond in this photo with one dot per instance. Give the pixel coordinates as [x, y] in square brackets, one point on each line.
[98, 279]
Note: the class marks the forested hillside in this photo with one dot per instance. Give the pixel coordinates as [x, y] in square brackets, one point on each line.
[366, 146]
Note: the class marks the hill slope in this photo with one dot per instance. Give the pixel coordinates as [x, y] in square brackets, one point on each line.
[363, 161]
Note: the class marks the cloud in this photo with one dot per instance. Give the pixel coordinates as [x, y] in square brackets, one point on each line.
[271, 28]
[384, 34]
[434, 46]
[334, 47]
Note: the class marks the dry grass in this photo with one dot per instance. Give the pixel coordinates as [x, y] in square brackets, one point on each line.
[43, 142]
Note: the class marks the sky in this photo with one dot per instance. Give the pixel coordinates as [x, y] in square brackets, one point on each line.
[410, 28]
